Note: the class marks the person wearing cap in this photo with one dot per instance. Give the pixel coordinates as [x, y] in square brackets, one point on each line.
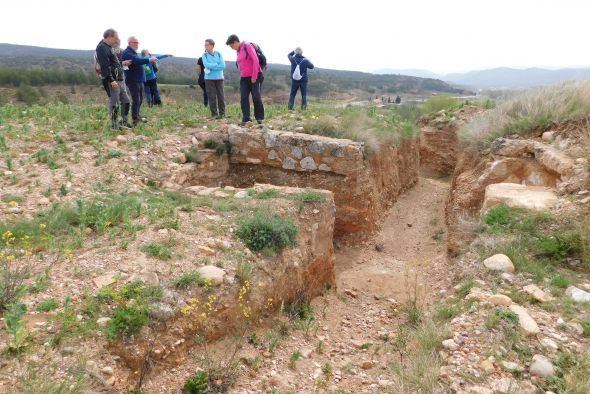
[214, 66]
[297, 59]
[250, 78]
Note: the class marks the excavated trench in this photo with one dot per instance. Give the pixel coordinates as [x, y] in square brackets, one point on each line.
[363, 187]
[359, 191]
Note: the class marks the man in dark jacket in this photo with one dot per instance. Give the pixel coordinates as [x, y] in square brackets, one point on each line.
[135, 76]
[298, 80]
[201, 81]
[111, 73]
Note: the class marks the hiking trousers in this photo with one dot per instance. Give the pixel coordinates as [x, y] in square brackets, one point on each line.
[136, 90]
[248, 88]
[295, 86]
[214, 88]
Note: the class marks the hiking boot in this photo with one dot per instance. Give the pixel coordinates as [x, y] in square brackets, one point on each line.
[245, 122]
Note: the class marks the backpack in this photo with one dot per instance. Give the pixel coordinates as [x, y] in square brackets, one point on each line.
[97, 69]
[260, 54]
[297, 73]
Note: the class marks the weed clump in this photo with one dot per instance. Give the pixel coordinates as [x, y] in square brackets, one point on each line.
[267, 232]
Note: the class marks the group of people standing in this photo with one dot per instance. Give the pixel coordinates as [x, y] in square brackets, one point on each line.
[137, 71]
[126, 69]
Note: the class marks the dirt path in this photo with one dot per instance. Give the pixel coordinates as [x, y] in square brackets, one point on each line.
[373, 280]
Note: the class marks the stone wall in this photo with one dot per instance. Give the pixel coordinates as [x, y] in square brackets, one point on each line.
[363, 187]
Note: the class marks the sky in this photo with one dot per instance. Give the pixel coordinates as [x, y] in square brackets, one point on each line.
[440, 36]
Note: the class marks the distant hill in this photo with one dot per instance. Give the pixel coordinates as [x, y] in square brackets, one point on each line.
[325, 82]
[411, 72]
[500, 78]
[511, 78]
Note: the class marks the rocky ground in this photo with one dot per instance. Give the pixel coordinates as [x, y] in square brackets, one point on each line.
[478, 325]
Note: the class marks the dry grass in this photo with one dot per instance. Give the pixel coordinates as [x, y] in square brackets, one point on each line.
[417, 370]
[532, 110]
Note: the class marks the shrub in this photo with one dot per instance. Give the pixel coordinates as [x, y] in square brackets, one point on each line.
[192, 155]
[47, 305]
[128, 320]
[158, 250]
[15, 327]
[14, 268]
[28, 94]
[266, 194]
[197, 384]
[265, 231]
[189, 279]
[220, 148]
[559, 246]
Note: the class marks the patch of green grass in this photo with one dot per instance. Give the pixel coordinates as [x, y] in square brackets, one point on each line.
[265, 194]
[128, 320]
[499, 314]
[561, 281]
[572, 373]
[265, 231]
[158, 250]
[445, 311]
[113, 153]
[189, 279]
[47, 305]
[13, 197]
[466, 286]
[245, 271]
[45, 156]
[192, 155]
[441, 103]
[198, 384]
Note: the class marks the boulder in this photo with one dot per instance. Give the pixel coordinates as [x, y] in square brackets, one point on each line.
[214, 274]
[499, 262]
[499, 299]
[535, 198]
[541, 366]
[577, 295]
[527, 323]
[537, 293]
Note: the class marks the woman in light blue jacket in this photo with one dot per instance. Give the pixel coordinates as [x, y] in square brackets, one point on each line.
[214, 66]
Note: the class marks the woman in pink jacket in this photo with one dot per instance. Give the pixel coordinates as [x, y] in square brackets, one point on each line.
[250, 78]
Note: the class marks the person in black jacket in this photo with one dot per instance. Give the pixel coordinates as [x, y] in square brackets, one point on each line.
[201, 81]
[297, 59]
[111, 72]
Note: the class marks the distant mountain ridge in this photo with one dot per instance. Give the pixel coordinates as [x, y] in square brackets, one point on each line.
[325, 82]
[502, 77]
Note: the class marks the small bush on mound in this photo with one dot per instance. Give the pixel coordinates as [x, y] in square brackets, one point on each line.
[158, 250]
[128, 320]
[28, 94]
[197, 384]
[220, 148]
[192, 155]
[188, 279]
[267, 232]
